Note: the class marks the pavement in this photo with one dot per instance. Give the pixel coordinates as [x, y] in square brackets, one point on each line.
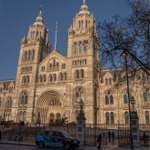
[84, 147]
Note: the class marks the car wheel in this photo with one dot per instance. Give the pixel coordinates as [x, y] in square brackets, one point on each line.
[41, 144]
[67, 146]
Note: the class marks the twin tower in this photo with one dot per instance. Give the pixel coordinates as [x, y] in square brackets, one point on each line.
[50, 85]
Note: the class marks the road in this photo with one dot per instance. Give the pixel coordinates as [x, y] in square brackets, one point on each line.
[21, 147]
[25, 147]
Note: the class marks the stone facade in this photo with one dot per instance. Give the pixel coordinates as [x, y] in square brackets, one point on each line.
[51, 85]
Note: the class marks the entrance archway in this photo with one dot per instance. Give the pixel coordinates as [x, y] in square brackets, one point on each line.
[49, 102]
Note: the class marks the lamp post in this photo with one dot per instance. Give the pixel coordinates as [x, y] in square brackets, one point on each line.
[38, 121]
[124, 55]
[117, 87]
[132, 103]
[81, 103]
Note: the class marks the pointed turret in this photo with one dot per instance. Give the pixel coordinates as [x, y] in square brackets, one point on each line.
[39, 19]
[84, 9]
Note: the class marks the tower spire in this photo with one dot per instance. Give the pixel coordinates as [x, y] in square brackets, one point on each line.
[84, 8]
[56, 31]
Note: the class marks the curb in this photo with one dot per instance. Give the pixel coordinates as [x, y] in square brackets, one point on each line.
[17, 143]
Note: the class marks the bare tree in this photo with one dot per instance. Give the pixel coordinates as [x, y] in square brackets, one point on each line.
[130, 34]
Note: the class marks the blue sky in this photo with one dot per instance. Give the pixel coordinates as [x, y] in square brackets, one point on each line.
[17, 15]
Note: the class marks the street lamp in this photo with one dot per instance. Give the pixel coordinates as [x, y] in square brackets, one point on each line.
[124, 55]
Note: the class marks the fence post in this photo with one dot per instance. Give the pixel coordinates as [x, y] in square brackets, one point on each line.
[135, 128]
[81, 127]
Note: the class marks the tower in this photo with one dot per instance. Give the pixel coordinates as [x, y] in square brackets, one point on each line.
[83, 57]
[34, 48]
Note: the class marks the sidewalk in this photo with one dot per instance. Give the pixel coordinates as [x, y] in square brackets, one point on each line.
[104, 147]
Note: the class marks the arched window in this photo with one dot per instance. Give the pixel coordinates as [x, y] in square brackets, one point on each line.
[107, 117]
[58, 116]
[112, 117]
[44, 78]
[111, 99]
[25, 56]
[30, 55]
[126, 115]
[82, 73]
[106, 81]
[55, 102]
[9, 103]
[106, 100]
[77, 74]
[23, 98]
[147, 117]
[52, 117]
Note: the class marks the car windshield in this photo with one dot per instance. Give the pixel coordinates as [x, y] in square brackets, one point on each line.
[66, 135]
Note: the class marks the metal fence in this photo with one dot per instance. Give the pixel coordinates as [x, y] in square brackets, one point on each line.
[28, 132]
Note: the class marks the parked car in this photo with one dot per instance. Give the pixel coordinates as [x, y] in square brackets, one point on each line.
[56, 138]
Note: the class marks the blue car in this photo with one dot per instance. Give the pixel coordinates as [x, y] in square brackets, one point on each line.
[43, 141]
[56, 139]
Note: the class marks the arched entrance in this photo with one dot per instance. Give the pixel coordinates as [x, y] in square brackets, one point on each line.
[49, 103]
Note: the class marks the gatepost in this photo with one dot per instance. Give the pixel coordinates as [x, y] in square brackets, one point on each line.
[81, 127]
[135, 128]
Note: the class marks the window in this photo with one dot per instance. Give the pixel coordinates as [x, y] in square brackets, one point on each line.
[77, 74]
[108, 81]
[106, 100]
[109, 117]
[22, 115]
[51, 119]
[125, 98]
[25, 79]
[109, 99]
[55, 102]
[8, 104]
[146, 97]
[58, 116]
[112, 117]
[82, 73]
[147, 117]
[126, 115]
[23, 98]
